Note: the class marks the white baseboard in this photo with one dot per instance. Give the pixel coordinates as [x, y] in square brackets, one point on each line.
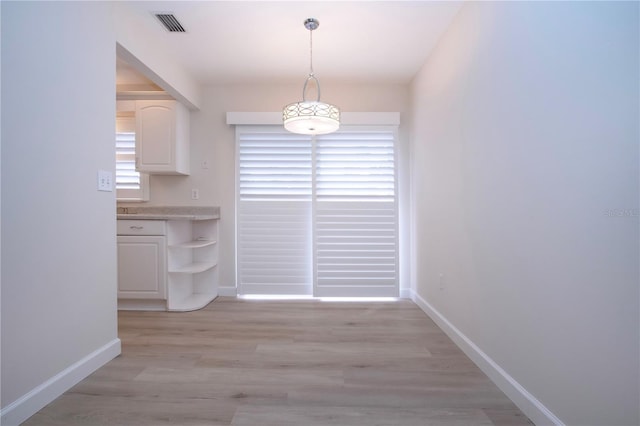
[406, 293]
[30, 403]
[532, 407]
[229, 291]
[141, 305]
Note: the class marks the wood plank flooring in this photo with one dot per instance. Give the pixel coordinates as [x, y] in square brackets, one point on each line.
[284, 363]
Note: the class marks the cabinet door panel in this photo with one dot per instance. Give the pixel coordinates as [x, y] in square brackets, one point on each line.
[156, 132]
[162, 137]
[141, 267]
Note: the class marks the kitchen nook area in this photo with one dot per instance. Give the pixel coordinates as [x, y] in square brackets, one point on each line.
[167, 257]
[167, 253]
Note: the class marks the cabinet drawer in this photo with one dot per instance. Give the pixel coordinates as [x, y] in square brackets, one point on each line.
[141, 227]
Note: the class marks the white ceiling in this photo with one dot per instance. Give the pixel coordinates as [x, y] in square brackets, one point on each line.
[242, 41]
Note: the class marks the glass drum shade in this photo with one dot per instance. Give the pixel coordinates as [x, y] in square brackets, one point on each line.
[311, 118]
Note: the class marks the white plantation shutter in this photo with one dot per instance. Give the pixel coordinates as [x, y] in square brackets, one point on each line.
[126, 174]
[356, 249]
[274, 212]
[356, 166]
[130, 184]
[317, 216]
[355, 214]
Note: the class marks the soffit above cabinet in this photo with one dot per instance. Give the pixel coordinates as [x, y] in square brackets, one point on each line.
[131, 85]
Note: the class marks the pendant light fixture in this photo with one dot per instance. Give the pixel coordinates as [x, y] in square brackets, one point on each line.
[311, 117]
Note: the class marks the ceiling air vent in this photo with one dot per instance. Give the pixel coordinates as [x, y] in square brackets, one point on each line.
[170, 23]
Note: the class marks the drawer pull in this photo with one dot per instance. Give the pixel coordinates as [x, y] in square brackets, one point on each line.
[136, 227]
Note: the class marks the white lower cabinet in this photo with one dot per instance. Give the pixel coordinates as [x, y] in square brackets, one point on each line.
[141, 267]
[176, 271]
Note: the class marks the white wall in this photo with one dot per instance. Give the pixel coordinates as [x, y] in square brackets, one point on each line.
[140, 47]
[525, 173]
[58, 232]
[214, 141]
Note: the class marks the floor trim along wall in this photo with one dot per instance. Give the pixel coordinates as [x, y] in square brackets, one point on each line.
[534, 409]
[406, 293]
[30, 403]
[230, 291]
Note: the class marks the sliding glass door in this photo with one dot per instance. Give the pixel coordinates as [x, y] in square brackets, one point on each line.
[317, 216]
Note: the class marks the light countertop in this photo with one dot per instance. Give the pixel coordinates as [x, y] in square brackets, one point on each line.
[168, 213]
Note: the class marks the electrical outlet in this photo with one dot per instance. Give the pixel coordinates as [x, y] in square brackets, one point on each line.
[205, 164]
[195, 194]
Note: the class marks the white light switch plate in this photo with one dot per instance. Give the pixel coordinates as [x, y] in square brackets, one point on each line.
[105, 181]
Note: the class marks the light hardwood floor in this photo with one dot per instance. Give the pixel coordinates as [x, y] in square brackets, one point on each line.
[284, 363]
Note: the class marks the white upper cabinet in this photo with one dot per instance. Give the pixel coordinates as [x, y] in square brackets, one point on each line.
[162, 137]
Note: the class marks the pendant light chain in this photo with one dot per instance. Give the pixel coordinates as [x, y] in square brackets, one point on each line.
[310, 53]
[311, 27]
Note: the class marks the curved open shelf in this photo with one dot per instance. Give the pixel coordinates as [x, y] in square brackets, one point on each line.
[193, 268]
[193, 302]
[194, 244]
